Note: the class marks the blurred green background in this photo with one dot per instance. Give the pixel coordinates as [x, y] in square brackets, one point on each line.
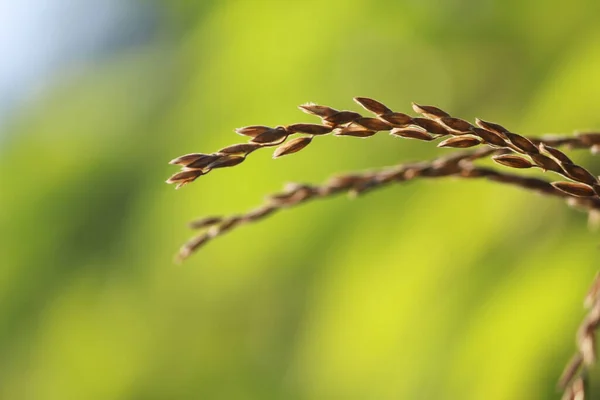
[443, 289]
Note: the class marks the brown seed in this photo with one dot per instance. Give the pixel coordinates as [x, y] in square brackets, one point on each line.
[522, 143]
[342, 117]
[292, 146]
[546, 163]
[430, 126]
[241, 148]
[513, 161]
[312, 129]
[372, 105]
[460, 142]
[557, 154]
[320, 111]
[489, 137]
[579, 174]
[412, 133]
[397, 119]
[226, 161]
[204, 222]
[355, 131]
[252, 131]
[373, 124]
[186, 159]
[589, 139]
[457, 125]
[429, 111]
[203, 161]
[272, 136]
[492, 127]
[574, 188]
[184, 176]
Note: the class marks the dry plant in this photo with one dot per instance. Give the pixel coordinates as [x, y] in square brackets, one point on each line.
[576, 185]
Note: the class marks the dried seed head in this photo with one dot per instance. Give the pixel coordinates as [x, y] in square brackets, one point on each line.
[397, 119]
[457, 125]
[557, 154]
[241, 148]
[292, 146]
[412, 133]
[342, 117]
[373, 124]
[204, 222]
[574, 189]
[429, 111]
[312, 129]
[320, 111]
[372, 105]
[492, 127]
[522, 143]
[252, 131]
[546, 163]
[579, 174]
[272, 136]
[430, 126]
[513, 161]
[226, 161]
[489, 137]
[460, 142]
[186, 159]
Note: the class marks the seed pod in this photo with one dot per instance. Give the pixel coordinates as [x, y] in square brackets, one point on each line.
[460, 142]
[589, 139]
[557, 154]
[489, 137]
[203, 161]
[186, 159]
[411, 133]
[204, 222]
[594, 293]
[241, 148]
[185, 176]
[320, 111]
[513, 161]
[272, 136]
[574, 189]
[522, 143]
[373, 124]
[312, 129]
[429, 111]
[292, 146]
[546, 163]
[430, 126]
[372, 105]
[492, 127]
[397, 119]
[355, 131]
[457, 125]
[226, 161]
[579, 174]
[342, 117]
[252, 131]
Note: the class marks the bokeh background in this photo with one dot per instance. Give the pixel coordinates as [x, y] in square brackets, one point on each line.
[443, 289]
